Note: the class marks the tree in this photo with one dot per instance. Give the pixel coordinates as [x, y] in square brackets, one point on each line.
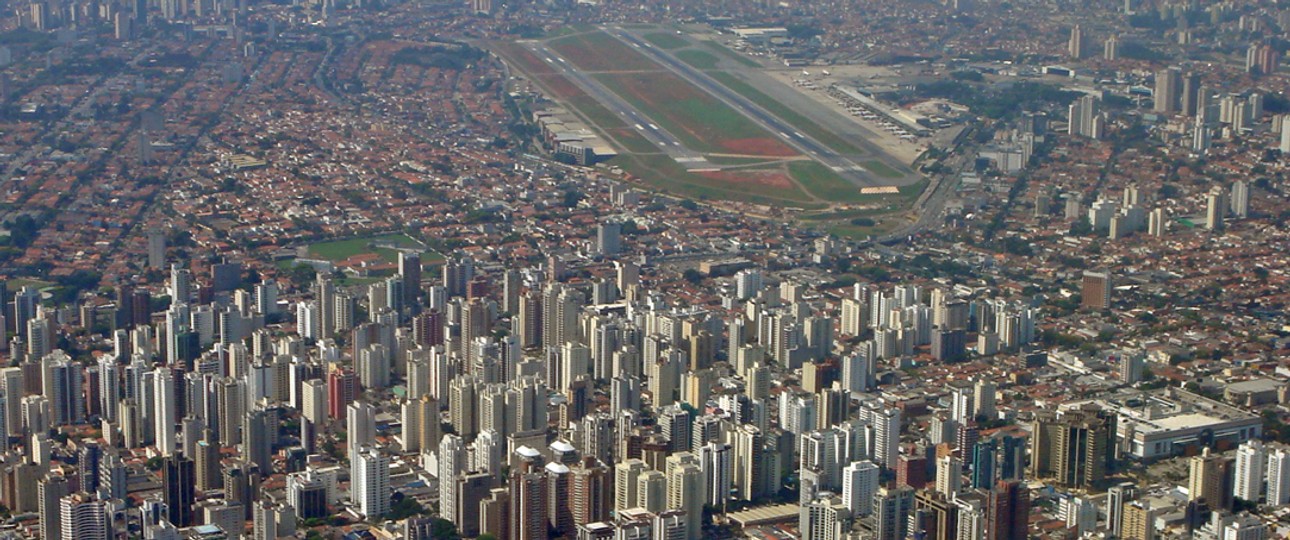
[405, 507]
[572, 198]
[692, 275]
[443, 529]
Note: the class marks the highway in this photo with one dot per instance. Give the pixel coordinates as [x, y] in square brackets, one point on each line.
[660, 137]
[807, 145]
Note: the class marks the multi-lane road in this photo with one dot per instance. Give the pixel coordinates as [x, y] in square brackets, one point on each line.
[665, 141]
[805, 144]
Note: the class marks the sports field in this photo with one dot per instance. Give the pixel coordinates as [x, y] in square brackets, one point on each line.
[339, 250]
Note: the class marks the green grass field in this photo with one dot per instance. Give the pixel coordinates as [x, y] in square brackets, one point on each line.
[826, 137]
[855, 232]
[17, 284]
[701, 122]
[881, 169]
[731, 54]
[339, 250]
[822, 182]
[697, 58]
[666, 41]
[661, 172]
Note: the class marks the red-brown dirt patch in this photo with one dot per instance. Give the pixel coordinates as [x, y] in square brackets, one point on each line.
[760, 146]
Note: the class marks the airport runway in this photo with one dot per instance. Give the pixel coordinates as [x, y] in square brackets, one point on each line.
[666, 142]
[842, 165]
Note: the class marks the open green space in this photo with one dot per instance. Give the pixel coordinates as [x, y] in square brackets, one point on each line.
[822, 182]
[697, 58]
[912, 191]
[702, 122]
[595, 112]
[722, 49]
[522, 58]
[18, 283]
[568, 30]
[856, 232]
[632, 141]
[666, 41]
[604, 119]
[339, 250]
[662, 172]
[787, 114]
[881, 169]
[598, 51]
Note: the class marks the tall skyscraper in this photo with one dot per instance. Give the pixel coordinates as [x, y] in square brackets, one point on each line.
[716, 461]
[360, 423]
[609, 238]
[1075, 45]
[1096, 290]
[1285, 135]
[1215, 209]
[83, 518]
[156, 248]
[1190, 94]
[166, 407]
[1168, 89]
[1073, 447]
[1085, 118]
[370, 482]
[528, 510]
[891, 511]
[342, 389]
[1240, 199]
[1008, 511]
[824, 518]
[591, 491]
[1209, 480]
[50, 491]
[410, 274]
[1250, 461]
[24, 308]
[949, 475]
[1139, 521]
[179, 484]
[62, 382]
[886, 427]
[626, 475]
[983, 463]
[859, 483]
[259, 427]
[1111, 49]
[1278, 477]
[1116, 497]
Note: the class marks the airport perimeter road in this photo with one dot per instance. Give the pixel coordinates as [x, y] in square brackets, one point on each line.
[666, 142]
[846, 168]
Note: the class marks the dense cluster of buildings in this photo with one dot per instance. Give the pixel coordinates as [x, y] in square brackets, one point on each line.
[1090, 343]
